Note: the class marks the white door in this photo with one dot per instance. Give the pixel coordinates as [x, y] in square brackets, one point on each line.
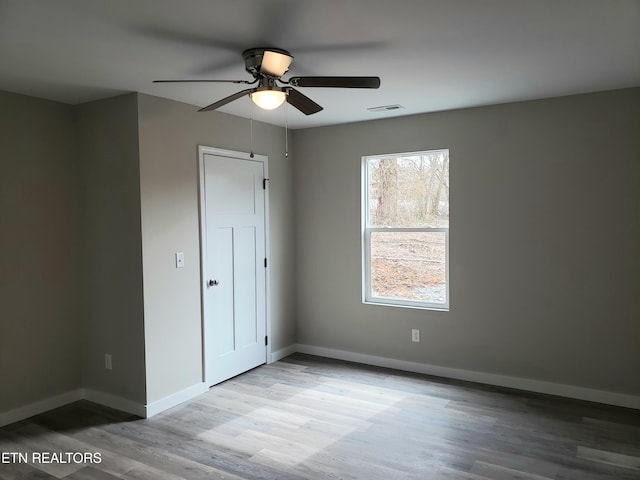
[234, 266]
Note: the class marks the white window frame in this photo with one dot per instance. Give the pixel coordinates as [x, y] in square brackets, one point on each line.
[367, 296]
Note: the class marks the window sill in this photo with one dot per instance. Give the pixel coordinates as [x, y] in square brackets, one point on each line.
[434, 308]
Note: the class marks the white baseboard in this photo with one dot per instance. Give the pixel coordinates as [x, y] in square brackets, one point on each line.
[538, 386]
[102, 398]
[174, 399]
[141, 410]
[41, 406]
[114, 401]
[149, 410]
[283, 352]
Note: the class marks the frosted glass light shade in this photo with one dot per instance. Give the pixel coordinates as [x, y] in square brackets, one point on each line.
[268, 99]
[275, 63]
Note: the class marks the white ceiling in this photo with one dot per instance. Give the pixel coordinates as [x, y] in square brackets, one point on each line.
[431, 55]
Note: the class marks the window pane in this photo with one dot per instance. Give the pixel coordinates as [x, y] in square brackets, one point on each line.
[409, 191]
[409, 266]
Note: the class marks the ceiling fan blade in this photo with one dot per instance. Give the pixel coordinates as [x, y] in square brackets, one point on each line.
[302, 102]
[205, 81]
[336, 82]
[341, 47]
[226, 100]
[275, 63]
[186, 38]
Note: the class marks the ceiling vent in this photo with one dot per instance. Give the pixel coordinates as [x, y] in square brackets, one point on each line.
[385, 108]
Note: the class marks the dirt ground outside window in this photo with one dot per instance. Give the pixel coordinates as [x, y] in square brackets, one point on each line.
[409, 265]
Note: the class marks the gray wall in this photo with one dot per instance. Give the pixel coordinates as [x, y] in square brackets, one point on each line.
[94, 202]
[111, 253]
[39, 227]
[169, 135]
[96, 199]
[544, 240]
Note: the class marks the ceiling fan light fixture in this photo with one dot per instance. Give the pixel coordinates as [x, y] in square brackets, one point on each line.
[268, 98]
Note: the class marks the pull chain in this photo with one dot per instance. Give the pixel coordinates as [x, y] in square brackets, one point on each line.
[286, 130]
[251, 125]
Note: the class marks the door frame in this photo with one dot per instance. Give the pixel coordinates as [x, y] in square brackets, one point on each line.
[202, 151]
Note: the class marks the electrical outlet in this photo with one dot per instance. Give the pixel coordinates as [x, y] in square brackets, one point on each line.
[107, 361]
[415, 335]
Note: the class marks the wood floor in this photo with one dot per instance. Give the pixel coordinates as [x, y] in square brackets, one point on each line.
[311, 418]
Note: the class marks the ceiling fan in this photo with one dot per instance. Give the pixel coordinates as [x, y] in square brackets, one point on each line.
[267, 66]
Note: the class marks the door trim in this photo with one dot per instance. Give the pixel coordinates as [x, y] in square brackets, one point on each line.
[202, 151]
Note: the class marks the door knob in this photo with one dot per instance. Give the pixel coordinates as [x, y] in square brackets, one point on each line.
[213, 283]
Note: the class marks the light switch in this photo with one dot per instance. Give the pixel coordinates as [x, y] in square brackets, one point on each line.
[179, 260]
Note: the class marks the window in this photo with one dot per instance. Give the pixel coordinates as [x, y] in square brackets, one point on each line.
[406, 229]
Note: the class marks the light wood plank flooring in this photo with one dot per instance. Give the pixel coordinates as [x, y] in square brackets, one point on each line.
[307, 417]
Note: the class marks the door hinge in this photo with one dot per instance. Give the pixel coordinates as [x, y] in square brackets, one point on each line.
[266, 340]
[264, 183]
[265, 263]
